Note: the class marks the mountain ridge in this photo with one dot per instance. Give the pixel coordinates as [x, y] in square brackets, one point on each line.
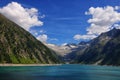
[103, 50]
[19, 46]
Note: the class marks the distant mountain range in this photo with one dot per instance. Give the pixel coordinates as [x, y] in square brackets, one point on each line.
[19, 46]
[62, 50]
[67, 52]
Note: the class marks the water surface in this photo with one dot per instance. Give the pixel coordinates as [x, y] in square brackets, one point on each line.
[61, 72]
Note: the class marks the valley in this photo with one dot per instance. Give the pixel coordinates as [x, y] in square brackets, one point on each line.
[19, 46]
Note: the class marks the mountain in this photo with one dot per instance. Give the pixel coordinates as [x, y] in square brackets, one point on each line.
[103, 50]
[67, 52]
[62, 50]
[75, 48]
[19, 46]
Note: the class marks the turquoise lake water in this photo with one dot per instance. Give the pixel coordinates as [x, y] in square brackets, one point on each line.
[62, 72]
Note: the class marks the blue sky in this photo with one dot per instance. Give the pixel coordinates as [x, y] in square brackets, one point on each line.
[63, 19]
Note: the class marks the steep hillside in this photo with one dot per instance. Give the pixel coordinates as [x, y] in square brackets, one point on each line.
[103, 50]
[19, 46]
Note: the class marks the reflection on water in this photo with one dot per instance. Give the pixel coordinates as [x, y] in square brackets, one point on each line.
[63, 72]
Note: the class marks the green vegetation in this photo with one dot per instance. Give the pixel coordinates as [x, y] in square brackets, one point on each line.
[19, 46]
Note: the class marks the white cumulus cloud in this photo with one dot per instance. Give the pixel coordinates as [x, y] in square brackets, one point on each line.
[102, 20]
[25, 17]
[43, 38]
[83, 37]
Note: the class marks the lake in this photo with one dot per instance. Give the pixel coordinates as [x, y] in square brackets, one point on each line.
[60, 72]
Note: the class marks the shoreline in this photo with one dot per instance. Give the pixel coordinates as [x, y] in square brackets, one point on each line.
[2, 65]
[30, 65]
